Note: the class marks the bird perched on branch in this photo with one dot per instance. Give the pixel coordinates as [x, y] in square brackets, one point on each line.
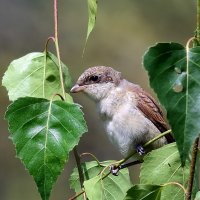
[130, 115]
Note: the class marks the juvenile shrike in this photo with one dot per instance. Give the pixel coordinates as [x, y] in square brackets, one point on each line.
[130, 115]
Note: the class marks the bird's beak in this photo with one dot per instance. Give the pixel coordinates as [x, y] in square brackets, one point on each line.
[77, 88]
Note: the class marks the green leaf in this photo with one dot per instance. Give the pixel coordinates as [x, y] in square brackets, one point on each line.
[144, 192]
[111, 187]
[35, 75]
[162, 166]
[44, 132]
[92, 12]
[197, 196]
[90, 170]
[174, 76]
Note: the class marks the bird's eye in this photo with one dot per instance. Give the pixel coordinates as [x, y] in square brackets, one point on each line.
[94, 78]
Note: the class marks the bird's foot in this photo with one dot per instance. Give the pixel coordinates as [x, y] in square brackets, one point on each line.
[114, 169]
[140, 150]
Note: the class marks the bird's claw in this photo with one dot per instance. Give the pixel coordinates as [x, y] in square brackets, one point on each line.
[140, 150]
[114, 170]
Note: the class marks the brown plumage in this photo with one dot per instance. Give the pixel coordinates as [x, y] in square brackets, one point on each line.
[152, 111]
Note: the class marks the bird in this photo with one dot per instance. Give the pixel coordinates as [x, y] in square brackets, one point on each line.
[130, 115]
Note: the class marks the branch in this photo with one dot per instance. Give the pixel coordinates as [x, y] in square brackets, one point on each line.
[146, 145]
[77, 195]
[78, 163]
[198, 21]
[57, 46]
[192, 169]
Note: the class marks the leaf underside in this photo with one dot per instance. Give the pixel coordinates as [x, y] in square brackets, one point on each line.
[44, 132]
[175, 77]
[92, 12]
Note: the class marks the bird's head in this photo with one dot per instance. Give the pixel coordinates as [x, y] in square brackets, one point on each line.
[97, 82]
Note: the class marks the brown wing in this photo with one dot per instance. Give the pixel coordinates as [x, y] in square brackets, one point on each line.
[152, 111]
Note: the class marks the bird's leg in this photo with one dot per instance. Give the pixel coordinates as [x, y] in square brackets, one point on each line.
[140, 149]
[115, 169]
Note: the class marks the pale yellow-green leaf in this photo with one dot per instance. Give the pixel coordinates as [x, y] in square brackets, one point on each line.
[92, 12]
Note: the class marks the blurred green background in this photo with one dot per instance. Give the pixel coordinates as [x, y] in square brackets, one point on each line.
[124, 31]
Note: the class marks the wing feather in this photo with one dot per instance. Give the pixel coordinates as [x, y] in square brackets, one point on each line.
[151, 110]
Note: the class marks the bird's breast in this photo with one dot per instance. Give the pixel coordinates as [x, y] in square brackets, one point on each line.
[124, 124]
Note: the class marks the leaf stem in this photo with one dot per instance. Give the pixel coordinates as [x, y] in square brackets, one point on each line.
[47, 42]
[54, 95]
[178, 184]
[192, 169]
[192, 39]
[92, 155]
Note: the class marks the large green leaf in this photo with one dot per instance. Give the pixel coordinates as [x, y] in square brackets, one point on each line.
[112, 187]
[144, 192]
[36, 75]
[162, 166]
[44, 132]
[175, 77]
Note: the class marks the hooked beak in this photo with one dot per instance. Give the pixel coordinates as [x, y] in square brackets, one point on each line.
[77, 88]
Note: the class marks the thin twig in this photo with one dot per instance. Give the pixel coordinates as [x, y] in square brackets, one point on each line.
[198, 21]
[192, 169]
[56, 19]
[84, 196]
[157, 137]
[136, 162]
[57, 46]
[77, 195]
[78, 163]
[145, 145]
[118, 163]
